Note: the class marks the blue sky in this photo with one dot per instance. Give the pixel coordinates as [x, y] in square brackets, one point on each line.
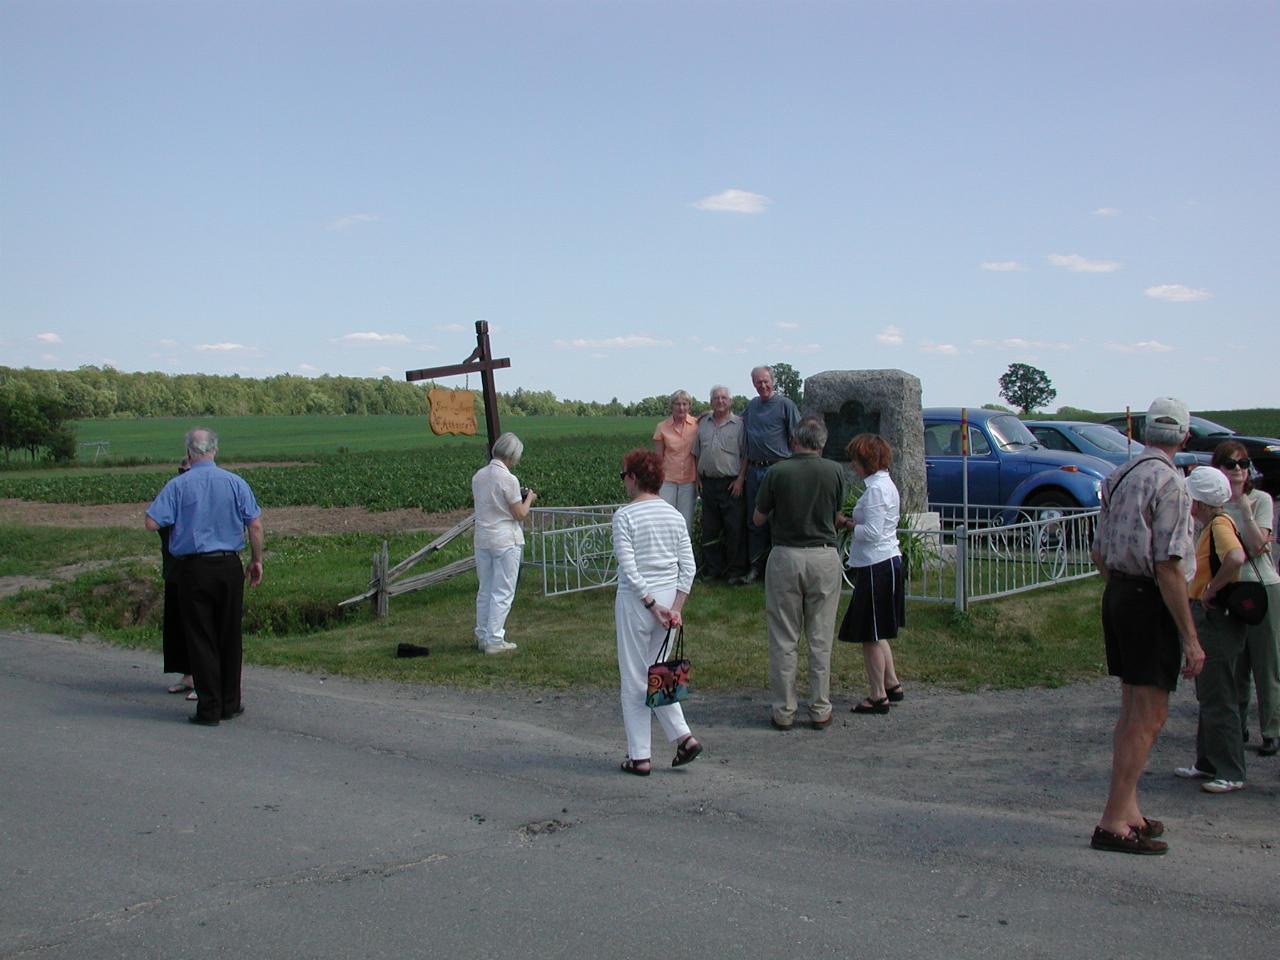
[641, 197]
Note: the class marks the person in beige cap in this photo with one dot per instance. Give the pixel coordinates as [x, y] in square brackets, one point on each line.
[1219, 747]
[1143, 532]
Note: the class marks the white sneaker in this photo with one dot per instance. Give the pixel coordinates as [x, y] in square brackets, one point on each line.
[502, 646]
[1222, 786]
[1191, 773]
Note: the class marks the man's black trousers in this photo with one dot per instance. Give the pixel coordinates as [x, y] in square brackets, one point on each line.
[724, 529]
[212, 601]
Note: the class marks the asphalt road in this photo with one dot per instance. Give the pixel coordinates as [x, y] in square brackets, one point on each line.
[347, 819]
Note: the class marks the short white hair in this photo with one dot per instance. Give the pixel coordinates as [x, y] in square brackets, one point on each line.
[508, 449]
[201, 441]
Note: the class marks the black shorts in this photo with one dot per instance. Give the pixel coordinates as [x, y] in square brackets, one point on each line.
[879, 604]
[1143, 647]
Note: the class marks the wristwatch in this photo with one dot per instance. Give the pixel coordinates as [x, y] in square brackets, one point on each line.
[649, 605]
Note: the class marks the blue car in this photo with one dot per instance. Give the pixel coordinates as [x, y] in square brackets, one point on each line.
[1008, 467]
[1079, 436]
[1107, 442]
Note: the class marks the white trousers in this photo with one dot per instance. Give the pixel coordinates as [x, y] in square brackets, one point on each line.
[497, 571]
[639, 639]
[682, 496]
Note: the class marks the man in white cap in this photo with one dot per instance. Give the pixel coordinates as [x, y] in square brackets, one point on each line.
[1219, 557]
[1144, 531]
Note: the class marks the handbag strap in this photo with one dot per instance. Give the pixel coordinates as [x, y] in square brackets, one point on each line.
[677, 651]
[1215, 563]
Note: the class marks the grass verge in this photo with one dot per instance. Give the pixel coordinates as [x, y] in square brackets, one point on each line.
[1044, 638]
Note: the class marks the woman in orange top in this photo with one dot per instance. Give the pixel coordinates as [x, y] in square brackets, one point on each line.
[1219, 749]
[673, 440]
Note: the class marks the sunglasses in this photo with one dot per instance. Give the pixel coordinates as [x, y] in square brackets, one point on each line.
[1243, 463]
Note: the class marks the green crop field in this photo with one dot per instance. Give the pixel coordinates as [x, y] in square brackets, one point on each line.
[159, 440]
[381, 463]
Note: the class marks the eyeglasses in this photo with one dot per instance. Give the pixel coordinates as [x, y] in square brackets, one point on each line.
[1243, 463]
[622, 475]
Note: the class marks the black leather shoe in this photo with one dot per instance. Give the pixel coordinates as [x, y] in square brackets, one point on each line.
[237, 712]
[202, 722]
[1270, 746]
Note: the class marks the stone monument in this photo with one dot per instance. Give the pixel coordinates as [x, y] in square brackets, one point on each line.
[886, 402]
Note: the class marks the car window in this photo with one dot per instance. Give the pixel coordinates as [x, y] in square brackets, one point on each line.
[1009, 432]
[1051, 438]
[1104, 437]
[943, 440]
[1207, 428]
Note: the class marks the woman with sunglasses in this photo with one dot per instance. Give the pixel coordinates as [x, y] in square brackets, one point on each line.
[1251, 511]
[655, 575]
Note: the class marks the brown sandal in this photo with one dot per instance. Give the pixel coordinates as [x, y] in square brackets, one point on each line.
[687, 751]
[1135, 842]
[634, 767]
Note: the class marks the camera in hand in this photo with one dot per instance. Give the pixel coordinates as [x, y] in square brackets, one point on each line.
[524, 493]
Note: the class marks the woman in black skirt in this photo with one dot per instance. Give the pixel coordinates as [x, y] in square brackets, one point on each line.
[878, 607]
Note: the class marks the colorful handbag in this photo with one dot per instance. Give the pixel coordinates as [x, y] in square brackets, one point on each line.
[669, 679]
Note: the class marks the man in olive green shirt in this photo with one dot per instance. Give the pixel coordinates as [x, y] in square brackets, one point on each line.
[801, 498]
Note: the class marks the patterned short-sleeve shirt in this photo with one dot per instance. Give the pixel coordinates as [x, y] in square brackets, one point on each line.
[1146, 516]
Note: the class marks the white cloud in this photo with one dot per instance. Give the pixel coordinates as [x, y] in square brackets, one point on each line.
[450, 328]
[48, 338]
[734, 201]
[1078, 264]
[372, 337]
[1001, 266]
[221, 347]
[308, 368]
[947, 349]
[1177, 293]
[1106, 212]
[890, 336]
[351, 219]
[1142, 346]
[711, 348]
[630, 342]
[787, 325]
[49, 357]
[168, 344]
[381, 371]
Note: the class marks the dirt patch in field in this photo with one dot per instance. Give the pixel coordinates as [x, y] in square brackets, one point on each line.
[277, 519]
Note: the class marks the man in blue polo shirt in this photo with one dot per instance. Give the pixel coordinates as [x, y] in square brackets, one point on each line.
[768, 424]
[208, 510]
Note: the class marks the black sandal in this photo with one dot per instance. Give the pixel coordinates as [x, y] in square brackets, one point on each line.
[872, 706]
[686, 753]
[633, 767]
[895, 694]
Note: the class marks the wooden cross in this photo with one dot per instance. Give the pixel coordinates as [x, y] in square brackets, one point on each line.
[482, 362]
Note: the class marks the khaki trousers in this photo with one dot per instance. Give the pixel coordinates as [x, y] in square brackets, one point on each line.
[801, 594]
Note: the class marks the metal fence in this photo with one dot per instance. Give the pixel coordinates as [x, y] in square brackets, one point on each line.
[978, 554]
[990, 552]
[573, 546]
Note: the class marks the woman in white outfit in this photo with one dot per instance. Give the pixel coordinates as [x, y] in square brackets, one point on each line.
[501, 506]
[655, 575]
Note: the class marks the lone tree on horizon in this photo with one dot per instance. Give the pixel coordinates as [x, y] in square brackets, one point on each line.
[787, 381]
[1026, 387]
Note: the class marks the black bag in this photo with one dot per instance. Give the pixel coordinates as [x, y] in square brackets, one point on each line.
[1245, 600]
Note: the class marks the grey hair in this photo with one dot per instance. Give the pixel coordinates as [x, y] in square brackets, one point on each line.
[766, 369]
[811, 434]
[721, 386]
[508, 449]
[1159, 431]
[201, 441]
[680, 395]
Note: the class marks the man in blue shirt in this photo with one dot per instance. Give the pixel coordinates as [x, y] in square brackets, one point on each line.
[768, 423]
[208, 510]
